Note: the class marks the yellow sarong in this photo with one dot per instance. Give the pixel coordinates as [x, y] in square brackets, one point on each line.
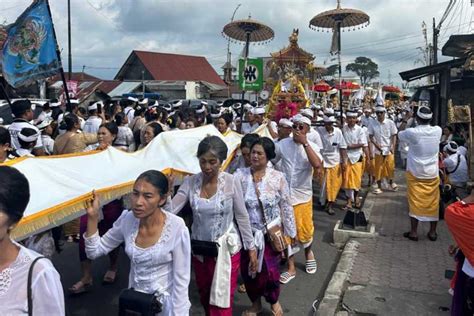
[353, 176]
[333, 178]
[370, 168]
[304, 221]
[423, 197]
[384, 167]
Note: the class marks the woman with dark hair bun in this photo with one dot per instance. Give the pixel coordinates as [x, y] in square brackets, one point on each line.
[16, 260]
[111, 212]
[157, 243]
[217, 204]
[73, 141]
[151, 130]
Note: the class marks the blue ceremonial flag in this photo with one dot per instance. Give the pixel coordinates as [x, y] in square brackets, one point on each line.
[29, 52]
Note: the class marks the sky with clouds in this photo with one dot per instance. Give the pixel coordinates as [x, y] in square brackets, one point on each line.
[104, 32]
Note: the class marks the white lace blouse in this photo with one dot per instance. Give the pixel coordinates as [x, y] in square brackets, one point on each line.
[48, 297]
[164, 268]
[275, 197]
[213, 217]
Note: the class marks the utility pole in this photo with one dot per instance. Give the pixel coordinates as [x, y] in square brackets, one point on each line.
[435, 43]
[69, 39]
[229, 59]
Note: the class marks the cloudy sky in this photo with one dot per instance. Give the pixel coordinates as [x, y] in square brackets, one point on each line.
[104, 32]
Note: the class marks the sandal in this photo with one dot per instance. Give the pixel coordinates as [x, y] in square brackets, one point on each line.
[407, 235]
[286, 277]
[80, 287]
[358, 203]
[242, 288]
[279, 312]
[432, 237]
[347, 208]
[311, 266]
[109, 277]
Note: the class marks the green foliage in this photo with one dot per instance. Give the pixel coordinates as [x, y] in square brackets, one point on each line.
[365, 68]
[331, 71]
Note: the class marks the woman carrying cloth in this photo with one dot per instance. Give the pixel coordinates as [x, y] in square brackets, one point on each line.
[219, 219]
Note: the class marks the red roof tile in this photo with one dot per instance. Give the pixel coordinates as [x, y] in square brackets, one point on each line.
[75, 76]
[163, 66]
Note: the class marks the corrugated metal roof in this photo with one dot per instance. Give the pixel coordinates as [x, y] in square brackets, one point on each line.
[124, 87]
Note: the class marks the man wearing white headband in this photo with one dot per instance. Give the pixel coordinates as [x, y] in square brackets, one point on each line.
[250, 124]
[27, 139]
[455, 165]
[128, 106]
[297, 157]
[383, 135]
[422, 171]
[334, 162]
[356, 140]
[366, 119]
[46, 133]
[94, 121]
[313, 134]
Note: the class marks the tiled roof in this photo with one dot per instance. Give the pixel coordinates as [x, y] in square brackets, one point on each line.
[164, 66]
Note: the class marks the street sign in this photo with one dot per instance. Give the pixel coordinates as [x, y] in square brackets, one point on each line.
[251, 74]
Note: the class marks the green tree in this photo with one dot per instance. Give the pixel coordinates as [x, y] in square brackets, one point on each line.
[365, 68]
[331, 71]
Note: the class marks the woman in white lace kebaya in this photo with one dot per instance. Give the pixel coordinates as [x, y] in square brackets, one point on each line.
[157, 243]
[16, 260]
[265, 187]
[217, 205]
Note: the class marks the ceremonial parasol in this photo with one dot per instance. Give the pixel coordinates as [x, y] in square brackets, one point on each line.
[321, 86]
[391, 89]
[336, 20]
[247, 31]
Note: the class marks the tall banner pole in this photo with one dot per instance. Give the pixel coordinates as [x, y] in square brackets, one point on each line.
[6, 94]
[58, 53]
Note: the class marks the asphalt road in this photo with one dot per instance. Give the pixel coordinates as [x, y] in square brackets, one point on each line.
[297, 297]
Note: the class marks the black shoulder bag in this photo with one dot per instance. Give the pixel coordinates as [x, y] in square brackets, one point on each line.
[137, 303]
[29, 289]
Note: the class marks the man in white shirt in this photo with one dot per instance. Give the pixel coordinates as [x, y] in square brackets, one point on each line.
[422, 171]
[23, 112]
[251, 125]
[383, 135]
[46, 133]
[94, 121]
[313, 135]
[334, 162]
[297, 158]
[366, 119]
[129, 107]
[455, 165]
[356, 141]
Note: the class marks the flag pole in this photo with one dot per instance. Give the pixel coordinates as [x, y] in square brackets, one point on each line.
[61, 69]
[6, 94]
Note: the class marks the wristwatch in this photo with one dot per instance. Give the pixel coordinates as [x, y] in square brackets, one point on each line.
[305, 145]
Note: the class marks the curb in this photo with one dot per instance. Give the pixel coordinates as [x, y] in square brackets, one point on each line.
[333, 294]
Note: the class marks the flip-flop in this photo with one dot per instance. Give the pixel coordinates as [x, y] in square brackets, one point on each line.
[109, 277]
[311, 266]
[80, 287]
[286, 277]
[407, 235]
